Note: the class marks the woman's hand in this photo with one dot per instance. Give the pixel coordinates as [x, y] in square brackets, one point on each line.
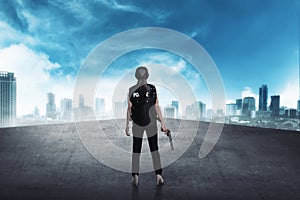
[127, 131]
[164, 128]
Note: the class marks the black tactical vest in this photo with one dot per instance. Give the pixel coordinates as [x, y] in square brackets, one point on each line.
[143, 101]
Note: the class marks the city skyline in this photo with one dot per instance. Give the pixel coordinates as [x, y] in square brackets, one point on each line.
[244, 111]
[51, 105]
[100, 107]
[251, 43]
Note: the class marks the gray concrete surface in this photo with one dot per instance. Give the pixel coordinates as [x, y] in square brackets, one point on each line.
[50, 162]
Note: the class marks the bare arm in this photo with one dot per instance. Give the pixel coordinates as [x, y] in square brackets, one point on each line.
[158, 112]
[128, 117]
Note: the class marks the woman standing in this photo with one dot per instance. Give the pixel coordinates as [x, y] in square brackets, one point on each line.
[143, 110]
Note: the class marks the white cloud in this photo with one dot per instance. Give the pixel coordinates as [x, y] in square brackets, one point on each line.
[159, 16]
[229, 101]
[117, 6]
[33, 80]
[247, 92]
[200, 30]
[10, 35]
[290, 94]
[180, 66]
[78, 9]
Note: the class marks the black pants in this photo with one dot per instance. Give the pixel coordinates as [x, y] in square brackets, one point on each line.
[151, 131]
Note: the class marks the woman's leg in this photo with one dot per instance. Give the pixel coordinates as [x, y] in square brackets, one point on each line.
[153, 145]
[136, 149]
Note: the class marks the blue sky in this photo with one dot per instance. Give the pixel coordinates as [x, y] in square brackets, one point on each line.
[252, 42]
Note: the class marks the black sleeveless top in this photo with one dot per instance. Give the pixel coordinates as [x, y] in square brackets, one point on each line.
[143, 99]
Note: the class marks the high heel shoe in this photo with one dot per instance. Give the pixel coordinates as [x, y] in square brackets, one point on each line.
[159, 180]
[135, 180]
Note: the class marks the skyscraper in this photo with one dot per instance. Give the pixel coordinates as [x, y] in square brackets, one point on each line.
[298, 107]
[120, 109]
[189, 112]
[263, 98]
[248, 105]
[51, 107]
[239, 104]
[66, 109]
[275, 104]
[99, 106]
[169, 111]
[176, 105]
[7, 98]
[36, 113]
[231, 109]
[81, 101]
[198, 110]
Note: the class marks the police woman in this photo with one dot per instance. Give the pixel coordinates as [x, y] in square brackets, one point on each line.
[143, 110]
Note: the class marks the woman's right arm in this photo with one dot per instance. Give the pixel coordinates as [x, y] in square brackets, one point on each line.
[128, 117]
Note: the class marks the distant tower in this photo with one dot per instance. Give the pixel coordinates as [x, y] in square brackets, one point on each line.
[189, 112]
[263, 98]
[66, 109]
[120, 109]
[298, 107]
[36, 112]
[248, 105]
[81, 101]
[198, 110]
[239, 104]
[176, 105]
[99, 106]
[231, 109]
[51, 107]
[275, 104]
[7, 98]
[169, 111]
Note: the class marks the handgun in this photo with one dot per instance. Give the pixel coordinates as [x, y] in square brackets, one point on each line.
[168, 133]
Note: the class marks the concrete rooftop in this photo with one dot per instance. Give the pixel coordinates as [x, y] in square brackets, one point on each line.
[50, 162]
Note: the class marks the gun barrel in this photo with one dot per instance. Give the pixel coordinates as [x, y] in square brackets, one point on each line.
[170, 138]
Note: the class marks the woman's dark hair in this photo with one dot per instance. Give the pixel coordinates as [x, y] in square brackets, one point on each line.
[141, 73]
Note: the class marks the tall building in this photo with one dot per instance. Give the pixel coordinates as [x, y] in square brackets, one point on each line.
[189, 112]
[239, 104]
[99, 106]
[66, 109]
[291, 113]
[282, 110]
[7, 98]
[83, 112]
[231, 109]
[176, 105]
[248, 106]
[198, 110]
[81, 101]
[275, 104]
[36, 113]
[298, 107]
[263, 98]
[169, 111]
[120, 108]
[51, 107]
